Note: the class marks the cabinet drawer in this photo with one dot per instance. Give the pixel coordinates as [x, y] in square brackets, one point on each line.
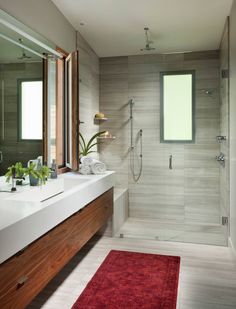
[24, 275]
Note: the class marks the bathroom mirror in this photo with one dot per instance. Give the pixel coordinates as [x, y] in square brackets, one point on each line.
[21, 105]
[177, 107]
[27, 94]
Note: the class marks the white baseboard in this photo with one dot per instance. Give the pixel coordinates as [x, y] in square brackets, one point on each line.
[232, 247]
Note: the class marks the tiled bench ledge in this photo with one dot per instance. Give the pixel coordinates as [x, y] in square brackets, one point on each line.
[120, 213]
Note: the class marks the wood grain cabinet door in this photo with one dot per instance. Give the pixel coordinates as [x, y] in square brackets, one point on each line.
[24, 275]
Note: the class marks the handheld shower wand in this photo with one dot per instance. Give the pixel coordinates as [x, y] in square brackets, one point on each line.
[132, 147]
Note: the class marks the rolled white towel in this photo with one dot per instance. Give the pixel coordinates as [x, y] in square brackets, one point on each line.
[84, 169]
[98, 167]
[86, 160]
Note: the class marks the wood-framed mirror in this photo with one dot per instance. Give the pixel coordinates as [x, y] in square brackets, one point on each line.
[24, 108]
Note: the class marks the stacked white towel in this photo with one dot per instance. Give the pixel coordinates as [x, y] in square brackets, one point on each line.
[86, 160]
[91, 166]
[84, 169]
[98, 167]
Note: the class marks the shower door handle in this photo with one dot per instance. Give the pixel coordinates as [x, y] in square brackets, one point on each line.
[170, 162]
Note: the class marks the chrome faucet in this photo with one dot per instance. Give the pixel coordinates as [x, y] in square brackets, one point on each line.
[13, 188]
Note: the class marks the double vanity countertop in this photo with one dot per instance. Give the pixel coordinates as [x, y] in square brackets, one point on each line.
[30, 212]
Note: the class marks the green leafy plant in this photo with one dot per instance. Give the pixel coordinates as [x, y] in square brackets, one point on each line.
[20, 171]
[44, 173]
[86, 147]
[31, 170]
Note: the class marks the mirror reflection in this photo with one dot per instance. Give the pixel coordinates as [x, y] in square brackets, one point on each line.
[21, 104]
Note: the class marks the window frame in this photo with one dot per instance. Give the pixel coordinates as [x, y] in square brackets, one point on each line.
[63, 100]
[180, 72]
[19, 109]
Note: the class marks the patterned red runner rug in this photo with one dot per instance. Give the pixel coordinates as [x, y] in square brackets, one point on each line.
[129, 280]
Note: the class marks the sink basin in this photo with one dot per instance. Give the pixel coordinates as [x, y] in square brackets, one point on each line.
[69, 183]
[42, 193]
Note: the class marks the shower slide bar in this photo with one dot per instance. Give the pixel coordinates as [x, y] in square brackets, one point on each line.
[137, 176]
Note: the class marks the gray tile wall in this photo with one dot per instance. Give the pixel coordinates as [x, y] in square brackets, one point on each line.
[190, 192]
[88, 87]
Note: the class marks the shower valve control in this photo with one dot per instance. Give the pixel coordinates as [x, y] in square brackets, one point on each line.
[220, 138]
[221, 159]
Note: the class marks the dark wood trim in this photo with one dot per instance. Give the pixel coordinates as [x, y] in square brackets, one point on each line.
[24, 275]
[73, 57]
[62, 52]
[60, 113]
[75, 111]
[63, 170]
[72, 111]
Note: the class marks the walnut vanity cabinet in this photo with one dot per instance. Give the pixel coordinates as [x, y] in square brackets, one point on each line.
[25, 274]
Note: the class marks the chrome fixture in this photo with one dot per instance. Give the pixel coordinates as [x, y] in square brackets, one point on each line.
[221, 159]
[148, 41]
[170, 162]
[225, 220]
[133, 154]
[220, 138]
[14, 179]
[225, 73]
[13, 188]
[131, 104]
[1, 157]
[208, 92]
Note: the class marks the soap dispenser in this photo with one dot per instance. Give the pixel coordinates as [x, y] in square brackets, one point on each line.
[39, 164]
[53, 169]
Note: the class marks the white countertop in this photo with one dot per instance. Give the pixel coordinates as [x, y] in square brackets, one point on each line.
[22, 221]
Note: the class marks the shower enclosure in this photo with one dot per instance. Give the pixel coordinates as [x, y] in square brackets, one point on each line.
[177, 197]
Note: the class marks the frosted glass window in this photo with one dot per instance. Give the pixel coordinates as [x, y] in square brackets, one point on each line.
[177, 107]
[31, 100]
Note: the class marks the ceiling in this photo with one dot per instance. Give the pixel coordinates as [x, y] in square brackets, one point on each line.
[115, 27]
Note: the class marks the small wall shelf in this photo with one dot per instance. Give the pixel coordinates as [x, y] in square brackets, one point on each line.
[98, 120]
[106, 138]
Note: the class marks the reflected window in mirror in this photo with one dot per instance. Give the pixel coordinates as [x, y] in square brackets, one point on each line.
[30, 109]
[177, 107]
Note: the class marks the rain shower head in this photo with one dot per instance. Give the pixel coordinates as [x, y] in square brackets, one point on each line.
[148, 41]
[24, 56]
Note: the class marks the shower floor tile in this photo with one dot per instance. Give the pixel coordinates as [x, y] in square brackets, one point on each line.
[168, 231]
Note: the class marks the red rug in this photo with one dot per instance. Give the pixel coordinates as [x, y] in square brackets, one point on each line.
[129, 280]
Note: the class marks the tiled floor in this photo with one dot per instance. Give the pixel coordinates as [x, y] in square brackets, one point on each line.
[207, 276]
[168, 231]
